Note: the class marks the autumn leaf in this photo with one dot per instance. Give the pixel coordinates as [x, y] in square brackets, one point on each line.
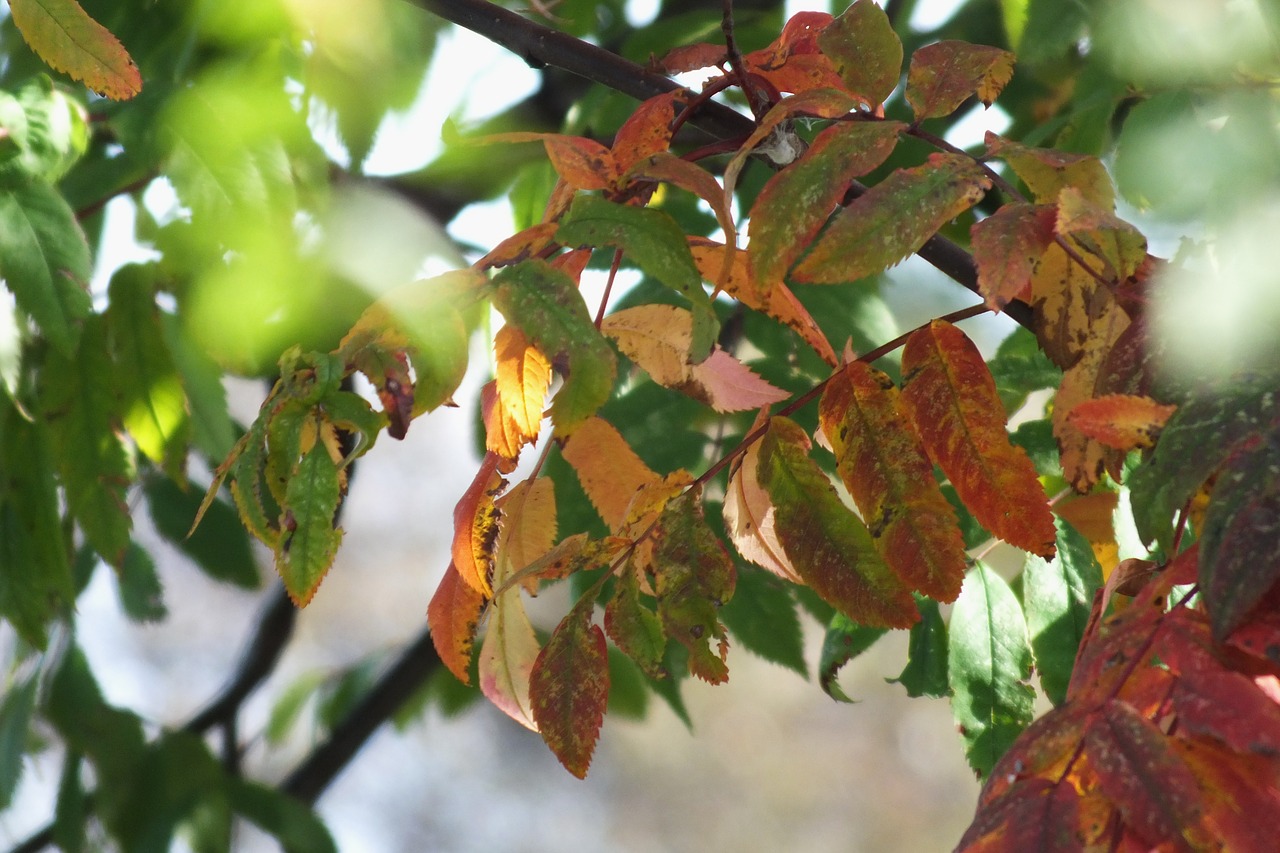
[952, 400]
[69, 40]
[678, 172]
[866, 51]
[569, 687]
[751, 517]
[793, 63]
[1007, 247]
[635, 628]
[1046, 172]
[452, 615]
[893, 219]
[583, 163]
[546, 305]
[1083, 457]
[944, 74]
[523, 377]
[1121, 421]
[881, 460]
[475, 527]
[522, 246]
[659, 338]
[827, 544]
[609, 470]
[795, 203]
[510, 645]
[647, 131]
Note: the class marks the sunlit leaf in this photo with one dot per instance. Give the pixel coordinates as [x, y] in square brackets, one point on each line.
[893, 219]
[827, 544]
[546, 305]
[751, 518]
[64, 36]
[945, 74]
[883, 464]
[844, 641]
[1122, 421]
[989, 664]
[952, 400]
[453, 614]
[610, 471]
[569, 688]
[523, 379]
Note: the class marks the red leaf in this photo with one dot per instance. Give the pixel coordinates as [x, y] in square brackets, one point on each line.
[1238, 790]
[69, 40]
[795, 203]
[452, 614]
[944, 74]
[1154, 789]
[1230, 707]
[569, 687]
[1038, 816]
[952, 400]
[1121, 421]
[647, 131]
[882, 462]
[1007, 247]
[475, 527]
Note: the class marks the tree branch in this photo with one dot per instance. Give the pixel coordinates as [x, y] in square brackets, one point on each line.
[542, 46]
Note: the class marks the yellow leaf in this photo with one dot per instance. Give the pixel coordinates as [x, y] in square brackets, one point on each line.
[63, 35]
[610, 471]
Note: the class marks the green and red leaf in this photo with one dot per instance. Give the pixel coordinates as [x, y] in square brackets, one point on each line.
[569, 688]
[1007, 247]
[63, 35]
[944, 74]
[953, 403]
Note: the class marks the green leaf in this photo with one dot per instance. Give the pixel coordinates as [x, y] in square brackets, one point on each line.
[80, 406]
[289, 705]
[628, 690]
[64, 36]
[1020, 367]
[152, 400]
[294, 825]
[762, 616]
[15, 718]
[655, 243]
[988, 664]
[844, 641]
[141, 594]
[795, 203]
[866, 51]
[1199, 437]
[44, 260]
[893, 219]
[569, 688]
[926, 671]
[693, 578]
[212, 429]
[829, 546]
[309, 540]
[546, 305]
[71, 811]
[1051, 28]
[1059, 597]
[47, 131]
[35, 572]
[220, 545]
[635, 628]
[176, 773]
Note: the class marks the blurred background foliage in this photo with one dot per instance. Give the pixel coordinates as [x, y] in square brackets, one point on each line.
[245, 185]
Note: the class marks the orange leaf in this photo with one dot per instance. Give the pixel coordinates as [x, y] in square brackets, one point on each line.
[569, 687]
[69, 40]
[691, 57]
[1121, 421]
[523, 379]
[452, 614]
[779, 303]
[751, 518]
[952, 400]
[679, 172]
[1007, 246]
[647, 131]
[475, 527]
[583, 163]
[1083, 457]
[610, 471]
[883, 463]
[793, 62]
[527, 244]
[510, 645]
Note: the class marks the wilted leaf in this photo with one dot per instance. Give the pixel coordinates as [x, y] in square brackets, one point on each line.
[882, 462]
[952, 399]
[1007, 247]
[69, 40]
[989, 664]
[751, 518]
[944, 74]
[795, 203]
[893, 219]
[609, 470]
[866, 51]
[1084, 458]
[452, 615]
[827, 544]
[475, 527]
[546, 305]
[569, 688]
